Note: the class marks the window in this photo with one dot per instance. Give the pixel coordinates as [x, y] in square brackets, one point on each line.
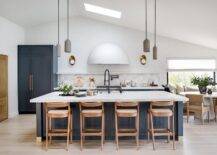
[191, 64]
[102, 11]
[181, 71]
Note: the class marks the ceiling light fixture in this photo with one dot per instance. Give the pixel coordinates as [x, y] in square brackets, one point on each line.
[155, 31]
[58, 43]
[67, 42]
[146, 42]
[102, 11]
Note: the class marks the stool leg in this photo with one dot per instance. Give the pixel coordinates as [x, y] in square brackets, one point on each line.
[137, 129]
[148, 126]
[215, 115]
[116, 130]
[168, 126]
[68, 132]
[202, 118]
[81, 132]
[152, 131]
[102, 130]
[50, 128]
[46, 133]
[173, 130]
[71, 128]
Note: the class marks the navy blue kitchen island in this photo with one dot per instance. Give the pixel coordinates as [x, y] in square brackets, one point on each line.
[143, 97]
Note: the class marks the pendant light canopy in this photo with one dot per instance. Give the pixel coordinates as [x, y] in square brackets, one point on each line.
[67, 42]
[155, 31]
[58, 46]
[146, 42]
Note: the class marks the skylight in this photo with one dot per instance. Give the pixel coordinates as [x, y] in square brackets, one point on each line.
[102, 11]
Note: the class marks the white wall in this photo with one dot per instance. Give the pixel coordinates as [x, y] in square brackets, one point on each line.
[86, 33]
[10, 36]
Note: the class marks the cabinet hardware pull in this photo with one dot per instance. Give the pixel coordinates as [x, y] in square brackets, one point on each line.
[32, 83]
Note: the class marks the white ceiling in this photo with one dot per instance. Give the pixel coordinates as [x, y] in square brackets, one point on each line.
[192, 21]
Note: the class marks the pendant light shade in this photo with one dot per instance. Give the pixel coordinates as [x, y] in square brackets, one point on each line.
[58, 44]
[146, 45]
[155, 52]
[155, 31]
[67, 46]
[67, 42]
[146, 42]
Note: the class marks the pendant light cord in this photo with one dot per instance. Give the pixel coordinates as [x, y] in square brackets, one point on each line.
[146, 20]
[68, 19]
[155, 21]
[58, 22]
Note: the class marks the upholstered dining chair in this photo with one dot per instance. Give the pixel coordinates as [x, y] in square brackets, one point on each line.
[196, 105]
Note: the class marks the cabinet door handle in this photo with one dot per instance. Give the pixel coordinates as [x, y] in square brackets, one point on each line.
[32, 83]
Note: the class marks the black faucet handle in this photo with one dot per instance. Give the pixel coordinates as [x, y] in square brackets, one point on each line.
[114, 77]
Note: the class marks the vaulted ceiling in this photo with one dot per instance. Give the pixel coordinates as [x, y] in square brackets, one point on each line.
[191, 21]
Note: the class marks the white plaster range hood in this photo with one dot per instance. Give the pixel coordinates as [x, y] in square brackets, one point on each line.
[108, 54]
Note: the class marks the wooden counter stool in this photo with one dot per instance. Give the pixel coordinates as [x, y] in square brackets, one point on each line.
[91, 110]
[127, 110]
[161, 109]
[58, 111]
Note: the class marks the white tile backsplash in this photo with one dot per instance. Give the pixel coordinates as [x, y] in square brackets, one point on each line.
[141, 79]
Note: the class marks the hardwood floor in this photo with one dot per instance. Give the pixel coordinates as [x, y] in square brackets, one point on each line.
[17, 137]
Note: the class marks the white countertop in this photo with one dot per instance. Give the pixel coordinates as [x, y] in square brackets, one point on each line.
[136, 96]
[131, 88]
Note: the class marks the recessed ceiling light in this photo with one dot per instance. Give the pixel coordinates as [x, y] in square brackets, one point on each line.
[101, 10]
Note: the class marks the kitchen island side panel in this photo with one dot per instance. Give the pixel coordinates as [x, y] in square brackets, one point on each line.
[110, 121]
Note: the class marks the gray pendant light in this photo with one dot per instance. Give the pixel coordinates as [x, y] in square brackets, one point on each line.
[58, 44]
[146, 42]
[155, 31]
[67, 42]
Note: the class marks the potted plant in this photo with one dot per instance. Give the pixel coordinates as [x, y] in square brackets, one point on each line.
[202, 83]
[66, 89]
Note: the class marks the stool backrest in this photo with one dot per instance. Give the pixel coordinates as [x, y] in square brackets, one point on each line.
[57, 105]
[91, 105]
[161, 104]
[127, 105]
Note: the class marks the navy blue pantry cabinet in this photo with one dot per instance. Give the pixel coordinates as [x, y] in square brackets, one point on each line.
[37, 74]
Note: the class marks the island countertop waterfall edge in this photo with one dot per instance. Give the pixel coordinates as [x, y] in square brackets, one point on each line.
[144, 97]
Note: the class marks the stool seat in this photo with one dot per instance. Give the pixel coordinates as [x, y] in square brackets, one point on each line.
[161, 112]
[163, 109]
[126, 112]
[56, 110]
[58, 113]
[92, 113]
[88, 111]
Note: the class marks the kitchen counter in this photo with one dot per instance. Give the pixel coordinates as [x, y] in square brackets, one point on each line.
[147, 88]
[138, 96]
[144, 97]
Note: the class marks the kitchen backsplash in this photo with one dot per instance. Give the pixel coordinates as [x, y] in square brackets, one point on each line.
[138, 80]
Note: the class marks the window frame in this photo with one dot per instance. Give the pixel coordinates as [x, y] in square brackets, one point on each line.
[191, 70]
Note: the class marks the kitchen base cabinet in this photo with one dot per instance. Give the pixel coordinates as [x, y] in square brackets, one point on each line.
[37, 68]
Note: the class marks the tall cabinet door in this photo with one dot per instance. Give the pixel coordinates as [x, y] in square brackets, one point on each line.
[24, 82]
[3, 87]
[41, 68]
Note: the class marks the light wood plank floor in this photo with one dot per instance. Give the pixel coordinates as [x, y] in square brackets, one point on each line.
[17, 137]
